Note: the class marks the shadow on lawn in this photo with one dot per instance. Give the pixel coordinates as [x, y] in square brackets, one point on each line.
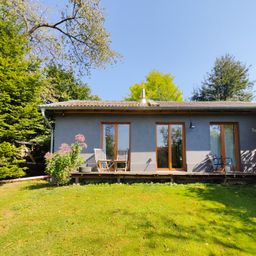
[237, 211]
[234, 217]
[238, 200]
[190, 233]
[40, 186]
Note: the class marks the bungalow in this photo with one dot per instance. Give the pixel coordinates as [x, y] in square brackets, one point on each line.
[161, 137]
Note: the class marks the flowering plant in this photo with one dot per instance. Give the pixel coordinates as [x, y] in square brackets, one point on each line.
[67, 158]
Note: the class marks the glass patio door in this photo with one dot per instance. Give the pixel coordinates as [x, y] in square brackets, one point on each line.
[224, 143]
[170, 147]
[116, 140]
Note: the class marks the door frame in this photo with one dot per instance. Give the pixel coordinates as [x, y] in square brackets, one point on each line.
[116, 138]
[184, 161]
[236, 141]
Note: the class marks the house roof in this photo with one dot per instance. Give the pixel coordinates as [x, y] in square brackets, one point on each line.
[87, 105]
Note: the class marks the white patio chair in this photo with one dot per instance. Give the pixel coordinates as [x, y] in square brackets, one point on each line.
[103, 164]
[122, 159]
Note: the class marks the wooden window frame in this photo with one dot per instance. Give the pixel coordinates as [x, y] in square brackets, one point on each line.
[236, 141]
[116, 138]
[184, 161]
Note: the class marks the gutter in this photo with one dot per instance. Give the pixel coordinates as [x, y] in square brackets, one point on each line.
[155, 108]
[50, 126]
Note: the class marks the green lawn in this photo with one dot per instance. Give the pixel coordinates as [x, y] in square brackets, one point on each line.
[139, 219]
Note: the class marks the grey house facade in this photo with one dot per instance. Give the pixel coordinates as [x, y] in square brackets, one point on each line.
[161, 137]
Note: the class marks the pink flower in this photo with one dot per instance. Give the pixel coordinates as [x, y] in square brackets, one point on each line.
[83, 145]
[48, 156]
[80, 138]
[64, 149]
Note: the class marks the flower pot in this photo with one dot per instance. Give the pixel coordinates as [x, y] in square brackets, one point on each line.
[85, 169]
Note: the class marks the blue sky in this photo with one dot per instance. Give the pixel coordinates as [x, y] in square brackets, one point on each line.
[181, 37]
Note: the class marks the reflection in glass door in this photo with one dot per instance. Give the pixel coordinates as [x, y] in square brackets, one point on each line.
[177, 145]
[109, 140]
[123, 140]
[230, 143]
[170, 146]
[162, 146]
[224, 143]
[116, 140]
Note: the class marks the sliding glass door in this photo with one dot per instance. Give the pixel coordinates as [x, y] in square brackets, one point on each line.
[224, 143]
[162, 146]
[170, 147]
[116, 140]
[109, 143]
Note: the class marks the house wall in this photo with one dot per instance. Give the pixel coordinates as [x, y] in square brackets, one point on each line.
[143, 137]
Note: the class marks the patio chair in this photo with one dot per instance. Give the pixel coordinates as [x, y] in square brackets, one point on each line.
[221, 164]
[122, 159]
[103, 164]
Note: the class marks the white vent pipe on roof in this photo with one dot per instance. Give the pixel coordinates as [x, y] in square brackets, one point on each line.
[143, 96]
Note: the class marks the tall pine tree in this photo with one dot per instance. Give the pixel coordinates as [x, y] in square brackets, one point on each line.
[19, 95]
[227, 81]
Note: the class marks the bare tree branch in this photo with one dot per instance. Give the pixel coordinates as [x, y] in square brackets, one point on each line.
[33, 29]
[80, 40]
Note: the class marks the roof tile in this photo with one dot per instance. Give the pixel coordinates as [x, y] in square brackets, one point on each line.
[136, 105]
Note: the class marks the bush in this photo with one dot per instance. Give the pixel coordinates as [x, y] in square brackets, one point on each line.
[66, 159]
[10, 158]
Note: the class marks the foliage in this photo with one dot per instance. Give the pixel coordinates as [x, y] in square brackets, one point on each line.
[20, 86]
[75, 36]
[19, 96]
[61, 85]
[10, 158]
[159, 86]
[145, 219]
[61, 163]
[110, 144]
[228, 80]
[23, 87]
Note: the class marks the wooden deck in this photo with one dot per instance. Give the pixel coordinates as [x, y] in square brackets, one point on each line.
[174, 176]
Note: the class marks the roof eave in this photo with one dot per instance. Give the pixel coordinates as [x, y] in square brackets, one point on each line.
[150, 108]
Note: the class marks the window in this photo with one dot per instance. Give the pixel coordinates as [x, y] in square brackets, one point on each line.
[116, 139]
[170, 146]
[224, 142]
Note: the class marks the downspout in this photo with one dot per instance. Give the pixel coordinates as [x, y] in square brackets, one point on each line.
[50, 126]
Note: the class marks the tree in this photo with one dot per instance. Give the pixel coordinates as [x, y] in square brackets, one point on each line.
[228, 80]
[19, 95]
[10, 159]
[76, 37]
[158, 86]
[61, 85]
[23, 86]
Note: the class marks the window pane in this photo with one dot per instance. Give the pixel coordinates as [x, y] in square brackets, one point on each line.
[177, 145]
[230, 143]
[123, 141]
[215, 140]
[162, 146]
[109, 140]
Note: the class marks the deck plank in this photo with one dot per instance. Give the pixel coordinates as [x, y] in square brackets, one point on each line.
[176, 177]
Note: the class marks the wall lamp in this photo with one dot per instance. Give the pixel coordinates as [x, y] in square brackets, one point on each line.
[191, 125]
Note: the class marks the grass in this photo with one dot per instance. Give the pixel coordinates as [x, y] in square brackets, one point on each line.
[138, 219]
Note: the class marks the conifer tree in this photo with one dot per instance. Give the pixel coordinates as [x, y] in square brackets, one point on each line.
[19, 95]
[227, 81]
